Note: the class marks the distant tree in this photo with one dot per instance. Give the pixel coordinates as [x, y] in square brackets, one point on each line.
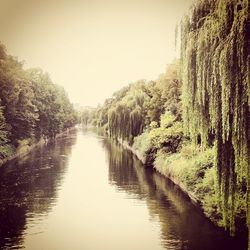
[85, 117]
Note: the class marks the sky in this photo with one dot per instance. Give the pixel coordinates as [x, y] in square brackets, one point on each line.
[92, 47]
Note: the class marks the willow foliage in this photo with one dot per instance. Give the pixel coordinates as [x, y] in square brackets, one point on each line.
[215, 54]
[125, 118]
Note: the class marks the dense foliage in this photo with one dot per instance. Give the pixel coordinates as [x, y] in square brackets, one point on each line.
[31, 106]
[216, 92]
[135, 107]
[196, 130]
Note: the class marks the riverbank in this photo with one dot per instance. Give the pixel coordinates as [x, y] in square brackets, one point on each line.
[165, 172]
[192, 170]
[25, 148]
[22, 151]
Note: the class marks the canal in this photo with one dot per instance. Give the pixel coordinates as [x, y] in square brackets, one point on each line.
[86, 192]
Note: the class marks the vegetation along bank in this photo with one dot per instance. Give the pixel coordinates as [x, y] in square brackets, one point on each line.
[32, 108]
[192, 123]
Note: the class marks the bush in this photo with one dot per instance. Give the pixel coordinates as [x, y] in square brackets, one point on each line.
[193, 169]
[23, 146]
[167, 137]
[6, 151]
[142, 143]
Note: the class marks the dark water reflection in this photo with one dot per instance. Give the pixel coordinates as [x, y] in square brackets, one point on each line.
[86, 192]
[182, 224]
[28, 189]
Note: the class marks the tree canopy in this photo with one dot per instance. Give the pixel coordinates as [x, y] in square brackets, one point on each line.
[215, 63]
[31, 105]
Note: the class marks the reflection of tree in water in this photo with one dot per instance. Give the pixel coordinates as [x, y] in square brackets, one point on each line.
[183, 226]
[28, 187]
[121, 170]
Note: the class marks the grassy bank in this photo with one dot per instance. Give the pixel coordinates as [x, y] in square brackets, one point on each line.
[191, 167]
[25, 147]
[193, 171]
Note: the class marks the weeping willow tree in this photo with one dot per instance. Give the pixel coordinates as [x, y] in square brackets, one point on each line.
[215, 55]
[127, 112]
[124, 122]
[118, 122]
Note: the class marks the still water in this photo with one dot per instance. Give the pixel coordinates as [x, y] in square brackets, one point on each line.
[86, 192]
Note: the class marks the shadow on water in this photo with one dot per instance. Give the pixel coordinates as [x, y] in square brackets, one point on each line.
[28, 188]
[183, 226]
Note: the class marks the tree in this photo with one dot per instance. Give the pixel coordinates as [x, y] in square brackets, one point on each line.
[216, 92]
[5, 149]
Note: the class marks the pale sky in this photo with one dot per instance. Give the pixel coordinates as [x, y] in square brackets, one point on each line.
[92, 47]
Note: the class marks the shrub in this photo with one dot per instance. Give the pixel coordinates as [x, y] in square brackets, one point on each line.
[6, 151]
[23, 146]
[193, 169]
[142, 143]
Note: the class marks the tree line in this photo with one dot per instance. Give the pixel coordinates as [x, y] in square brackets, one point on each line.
[216, 85]
[133, 108]
[197, 112]
[31, 106]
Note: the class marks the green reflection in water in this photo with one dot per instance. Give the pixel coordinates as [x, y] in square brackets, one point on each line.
[28, 188]
[183, 226]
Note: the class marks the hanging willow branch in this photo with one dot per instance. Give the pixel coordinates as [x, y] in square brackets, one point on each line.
[215, 52]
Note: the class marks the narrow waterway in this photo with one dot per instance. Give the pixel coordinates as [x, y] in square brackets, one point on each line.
[86, 192]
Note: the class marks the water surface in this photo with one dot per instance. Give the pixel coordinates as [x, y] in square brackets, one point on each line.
[86, 192]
